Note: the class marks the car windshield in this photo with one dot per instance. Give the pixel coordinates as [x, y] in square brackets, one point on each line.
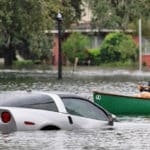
[84, 108]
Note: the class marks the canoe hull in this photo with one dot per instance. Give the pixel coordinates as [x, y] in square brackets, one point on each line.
[122, 105]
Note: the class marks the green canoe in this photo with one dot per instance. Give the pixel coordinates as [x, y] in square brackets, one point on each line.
[122, 105]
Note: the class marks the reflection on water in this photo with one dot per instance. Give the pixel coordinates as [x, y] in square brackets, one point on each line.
[122, 137]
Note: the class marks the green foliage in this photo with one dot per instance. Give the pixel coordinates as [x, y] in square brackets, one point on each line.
[118, 47]
[30, 65]
[120, 65]
[70, 10]
[40, 47]
[145, 27]
[94, 56]
[26, 64]
[94, 52]
[76, 46]
[23, 24]
[19, 22]
[118, 14]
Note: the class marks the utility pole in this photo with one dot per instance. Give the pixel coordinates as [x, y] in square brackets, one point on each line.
[140, 45]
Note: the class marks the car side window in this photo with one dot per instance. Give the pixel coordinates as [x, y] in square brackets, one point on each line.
[51, 106]
[35, 101]
[45, 103]
[83, 108]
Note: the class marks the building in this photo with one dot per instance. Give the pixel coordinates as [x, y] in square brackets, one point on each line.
[96, 36]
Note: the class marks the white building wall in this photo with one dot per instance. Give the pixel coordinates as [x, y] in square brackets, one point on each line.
[86, 14]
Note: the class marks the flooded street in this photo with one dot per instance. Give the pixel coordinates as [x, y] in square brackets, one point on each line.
[117, 139]
[121, 137]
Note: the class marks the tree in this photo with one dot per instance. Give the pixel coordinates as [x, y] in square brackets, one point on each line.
[77, 6]
[23, 22]
[70, 10]
[76, 46]
[118, 13]
[20, 20]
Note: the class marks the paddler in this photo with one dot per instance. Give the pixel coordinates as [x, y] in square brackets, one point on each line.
[144, 91]
[144, 88]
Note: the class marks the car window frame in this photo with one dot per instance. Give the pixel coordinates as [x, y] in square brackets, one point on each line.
[90, 102]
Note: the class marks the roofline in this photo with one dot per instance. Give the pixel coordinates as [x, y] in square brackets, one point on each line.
[90, 31]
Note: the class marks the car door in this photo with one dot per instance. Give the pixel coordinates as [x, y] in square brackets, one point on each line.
[85, 114]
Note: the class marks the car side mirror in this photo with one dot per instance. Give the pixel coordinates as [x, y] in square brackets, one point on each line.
[112, 119]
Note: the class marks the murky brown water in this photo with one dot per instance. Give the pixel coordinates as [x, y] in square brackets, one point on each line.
[123, 137]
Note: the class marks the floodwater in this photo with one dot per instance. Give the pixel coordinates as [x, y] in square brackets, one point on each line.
[131, 133]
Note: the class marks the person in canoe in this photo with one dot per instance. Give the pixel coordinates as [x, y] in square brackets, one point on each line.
[144, 91]
[144, 88]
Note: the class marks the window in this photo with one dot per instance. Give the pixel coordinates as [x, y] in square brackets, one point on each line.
[43, 102]
[83, 108]
[45, 106]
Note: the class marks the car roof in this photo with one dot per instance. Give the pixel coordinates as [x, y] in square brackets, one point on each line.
[17, 98]
[65, 94]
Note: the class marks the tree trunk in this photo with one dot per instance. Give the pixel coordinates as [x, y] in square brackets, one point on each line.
[8, 57]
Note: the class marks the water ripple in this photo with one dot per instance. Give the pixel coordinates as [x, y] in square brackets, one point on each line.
[123, 137]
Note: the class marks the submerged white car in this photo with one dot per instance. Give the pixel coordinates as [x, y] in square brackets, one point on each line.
[24, 111]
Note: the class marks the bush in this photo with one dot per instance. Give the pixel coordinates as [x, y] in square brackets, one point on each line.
[27, 64]
[118, 47]
[94, 56]
[76, 46]
[94, 52]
